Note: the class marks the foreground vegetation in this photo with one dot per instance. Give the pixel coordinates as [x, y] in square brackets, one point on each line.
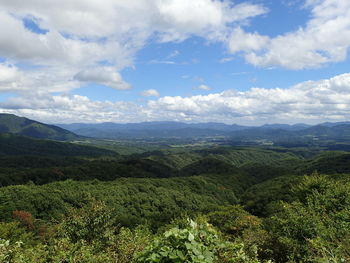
[312, 227]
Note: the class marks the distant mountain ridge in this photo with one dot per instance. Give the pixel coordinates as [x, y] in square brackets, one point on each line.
[13, 124]
[168, 129]
[151, 129]
[156, 125]
[287, 127]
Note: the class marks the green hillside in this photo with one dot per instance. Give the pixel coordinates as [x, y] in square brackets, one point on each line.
[230, 155]
[11, 144]
[13, 124]
[135, 200]
[328, 163]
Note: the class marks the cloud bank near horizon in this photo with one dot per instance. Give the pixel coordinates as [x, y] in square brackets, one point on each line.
[310, 102]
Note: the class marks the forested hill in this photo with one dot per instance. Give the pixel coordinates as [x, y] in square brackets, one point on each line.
[13, 124]
[11, 144]
[44, 161]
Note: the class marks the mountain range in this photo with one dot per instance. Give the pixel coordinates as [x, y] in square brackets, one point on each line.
[166, 129]
[189, 130]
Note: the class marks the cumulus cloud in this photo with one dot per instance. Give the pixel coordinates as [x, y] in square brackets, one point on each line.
[71, 108]
[242, 41]
[105, 76]
[150, 93]
[80, 35]
[92, 30]
[100, 18]
[19, 43]
[311, 101]
[8, 76]
[179, 19]
[324, 39]
[52, 79]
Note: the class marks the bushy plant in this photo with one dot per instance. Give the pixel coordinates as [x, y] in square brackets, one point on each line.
[25, 218]
[61, 250]
[93, 223]
[15, 232]
[197, 243]
[130, 242]
[239, 225]
[8, 251]
[234, 220]
[316, 227]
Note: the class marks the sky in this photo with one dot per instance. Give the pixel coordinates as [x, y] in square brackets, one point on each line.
[245, 62]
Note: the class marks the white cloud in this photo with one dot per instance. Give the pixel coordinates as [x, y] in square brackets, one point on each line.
[81, 34]
[181, 18]
[105, 76]
[311, 101]
[35, 81]
[75, 29]
[167, 62]
[68, 109]
[203, 87]
[18, 43]
[150, 93]
[324, 39]
[8, 76]
[242, 41]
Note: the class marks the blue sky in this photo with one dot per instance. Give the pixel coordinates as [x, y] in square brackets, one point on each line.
[246, 62]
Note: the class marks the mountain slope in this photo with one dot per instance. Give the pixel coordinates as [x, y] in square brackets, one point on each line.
[13, 124]
[231, 156]
[338, 131]
[11, 144]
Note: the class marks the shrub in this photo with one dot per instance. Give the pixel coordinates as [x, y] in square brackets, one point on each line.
[93, 224]
[197, 243]
[25, 218]
[316, 227]
[129, 243]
